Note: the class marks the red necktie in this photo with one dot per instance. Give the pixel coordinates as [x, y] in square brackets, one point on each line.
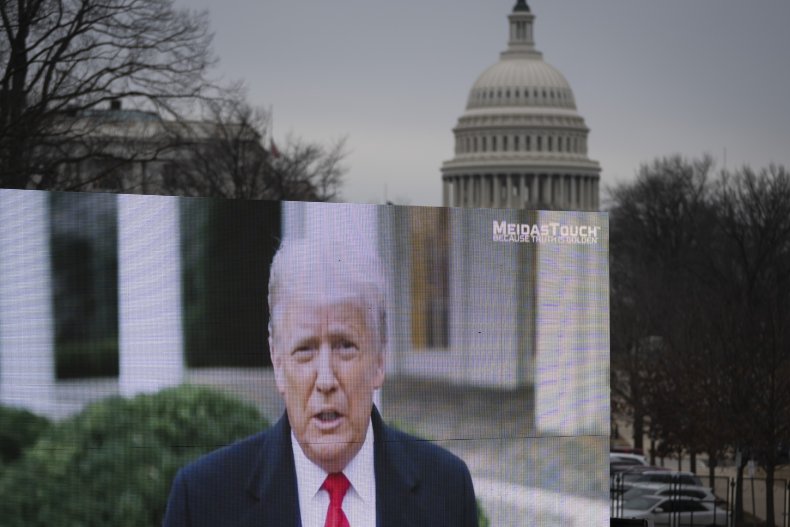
[336, 485]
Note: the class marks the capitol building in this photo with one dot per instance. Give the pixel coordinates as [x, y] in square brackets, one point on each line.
[521, 142]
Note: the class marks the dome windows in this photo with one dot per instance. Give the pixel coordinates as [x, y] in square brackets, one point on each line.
[515, 95]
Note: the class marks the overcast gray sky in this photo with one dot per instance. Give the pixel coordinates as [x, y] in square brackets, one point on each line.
[651, 78]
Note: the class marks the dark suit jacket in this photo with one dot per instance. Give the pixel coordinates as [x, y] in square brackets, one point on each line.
[252, 483]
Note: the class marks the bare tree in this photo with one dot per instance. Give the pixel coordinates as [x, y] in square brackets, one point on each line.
[657, 226]
[61, 59]
[754, 216]
[704, 267]
[226, 155]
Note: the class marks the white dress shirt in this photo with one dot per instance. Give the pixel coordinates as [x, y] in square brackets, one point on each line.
[359, 504]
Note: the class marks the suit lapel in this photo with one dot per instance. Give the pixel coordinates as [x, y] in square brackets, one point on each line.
[397, 479]
[274, 496]
[272, 485]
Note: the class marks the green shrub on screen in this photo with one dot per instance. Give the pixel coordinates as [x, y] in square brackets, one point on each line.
[113, 463]
[19, 429]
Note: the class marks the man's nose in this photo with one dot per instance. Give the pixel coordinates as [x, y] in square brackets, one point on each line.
[326, 380]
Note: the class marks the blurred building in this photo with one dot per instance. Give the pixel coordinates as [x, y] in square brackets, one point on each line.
[521, 143]
[135, 151]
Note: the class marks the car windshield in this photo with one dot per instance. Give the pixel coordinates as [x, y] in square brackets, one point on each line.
[642, 503]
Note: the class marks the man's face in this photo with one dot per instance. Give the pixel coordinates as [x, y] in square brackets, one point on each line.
[327, 365]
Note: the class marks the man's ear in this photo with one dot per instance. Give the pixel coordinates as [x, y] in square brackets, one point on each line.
[378, 374]
[277, 366]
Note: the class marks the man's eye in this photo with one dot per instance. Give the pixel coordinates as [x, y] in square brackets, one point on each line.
[303, 353]
[346, 347]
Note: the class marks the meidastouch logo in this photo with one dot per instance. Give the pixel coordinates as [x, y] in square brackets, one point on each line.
[552, 232]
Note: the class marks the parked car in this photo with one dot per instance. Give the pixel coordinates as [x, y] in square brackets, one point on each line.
[675, 512]
[627, 459]
[632, 478]
[619, 462]
[622, 501]
[627, 450]
[662, 489]
[620, 474]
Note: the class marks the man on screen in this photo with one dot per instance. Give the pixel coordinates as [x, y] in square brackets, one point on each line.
[330, 461]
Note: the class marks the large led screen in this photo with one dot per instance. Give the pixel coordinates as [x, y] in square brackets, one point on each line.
[452, 364]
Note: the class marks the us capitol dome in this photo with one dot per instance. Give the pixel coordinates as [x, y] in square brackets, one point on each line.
[521, 142]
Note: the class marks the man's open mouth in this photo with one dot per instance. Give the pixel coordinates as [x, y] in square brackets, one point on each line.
[329, 416]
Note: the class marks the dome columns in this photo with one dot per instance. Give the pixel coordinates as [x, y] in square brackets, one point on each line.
[534, 190]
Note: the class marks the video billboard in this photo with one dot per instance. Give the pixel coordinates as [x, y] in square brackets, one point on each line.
[492, 325]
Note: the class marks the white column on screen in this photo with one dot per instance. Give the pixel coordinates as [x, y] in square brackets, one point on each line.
[395, 254]
[27, 359]
[484, 342]
[593, 373]
[554, 409]
[149, 296]
[293, 219]
[571, 390]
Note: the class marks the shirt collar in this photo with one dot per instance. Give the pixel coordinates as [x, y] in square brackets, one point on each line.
[360, 470]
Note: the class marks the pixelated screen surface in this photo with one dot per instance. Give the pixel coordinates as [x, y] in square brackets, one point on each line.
[140, 333]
